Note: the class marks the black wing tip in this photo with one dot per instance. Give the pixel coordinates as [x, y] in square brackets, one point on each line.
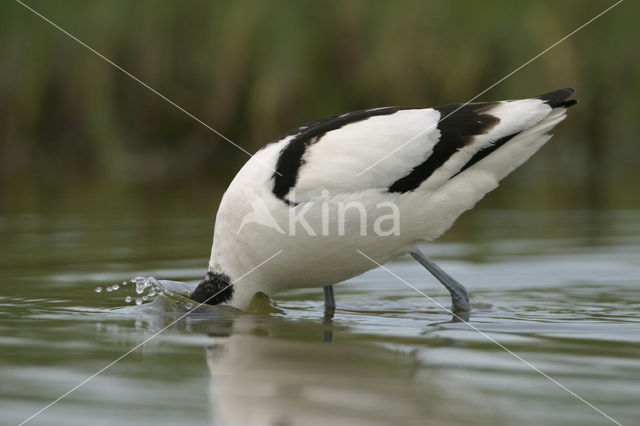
[558, 98]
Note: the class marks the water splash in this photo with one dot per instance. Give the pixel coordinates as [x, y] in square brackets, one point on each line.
[142, 289]
[148, 288]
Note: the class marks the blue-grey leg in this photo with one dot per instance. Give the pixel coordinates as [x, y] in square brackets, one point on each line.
[459, 297]
[329, 302]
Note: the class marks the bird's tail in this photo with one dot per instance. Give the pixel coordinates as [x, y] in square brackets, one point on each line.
[490, 165]
[505, 158]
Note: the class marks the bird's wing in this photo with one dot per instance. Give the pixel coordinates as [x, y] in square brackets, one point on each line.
[400, 150]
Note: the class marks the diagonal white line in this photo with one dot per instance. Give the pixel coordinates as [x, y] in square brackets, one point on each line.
[527, 363]
[143, 342]
[143, 83]
[492, 86]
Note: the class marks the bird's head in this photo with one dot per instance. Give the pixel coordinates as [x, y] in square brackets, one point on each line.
[216, 288]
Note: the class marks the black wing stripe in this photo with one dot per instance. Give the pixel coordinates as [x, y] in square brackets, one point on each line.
[484, 152]
[457, 129]
[290, 160]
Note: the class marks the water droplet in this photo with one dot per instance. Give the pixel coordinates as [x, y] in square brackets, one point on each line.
[98, 290]
[128, 299]
[189, 305]
[115, 287]
[124, 283]
[109, 289]
[152, 293]
[138, 301]
[145, 297]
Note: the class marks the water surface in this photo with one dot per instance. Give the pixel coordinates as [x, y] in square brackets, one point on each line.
[559, 289]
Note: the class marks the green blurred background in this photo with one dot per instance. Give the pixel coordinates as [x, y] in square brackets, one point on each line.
[75, 128]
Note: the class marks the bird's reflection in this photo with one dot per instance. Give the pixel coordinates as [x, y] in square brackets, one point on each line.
[267, 369]
[281, 372]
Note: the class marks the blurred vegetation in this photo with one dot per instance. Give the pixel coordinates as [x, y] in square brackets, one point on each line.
[254, 69]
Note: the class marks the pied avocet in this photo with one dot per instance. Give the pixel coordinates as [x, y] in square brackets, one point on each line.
[335, 195]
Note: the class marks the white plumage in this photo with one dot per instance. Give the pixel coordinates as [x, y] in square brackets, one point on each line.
[429, 166]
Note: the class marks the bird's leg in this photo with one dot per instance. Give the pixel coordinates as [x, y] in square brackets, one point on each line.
[459, 298]
[329, 302]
